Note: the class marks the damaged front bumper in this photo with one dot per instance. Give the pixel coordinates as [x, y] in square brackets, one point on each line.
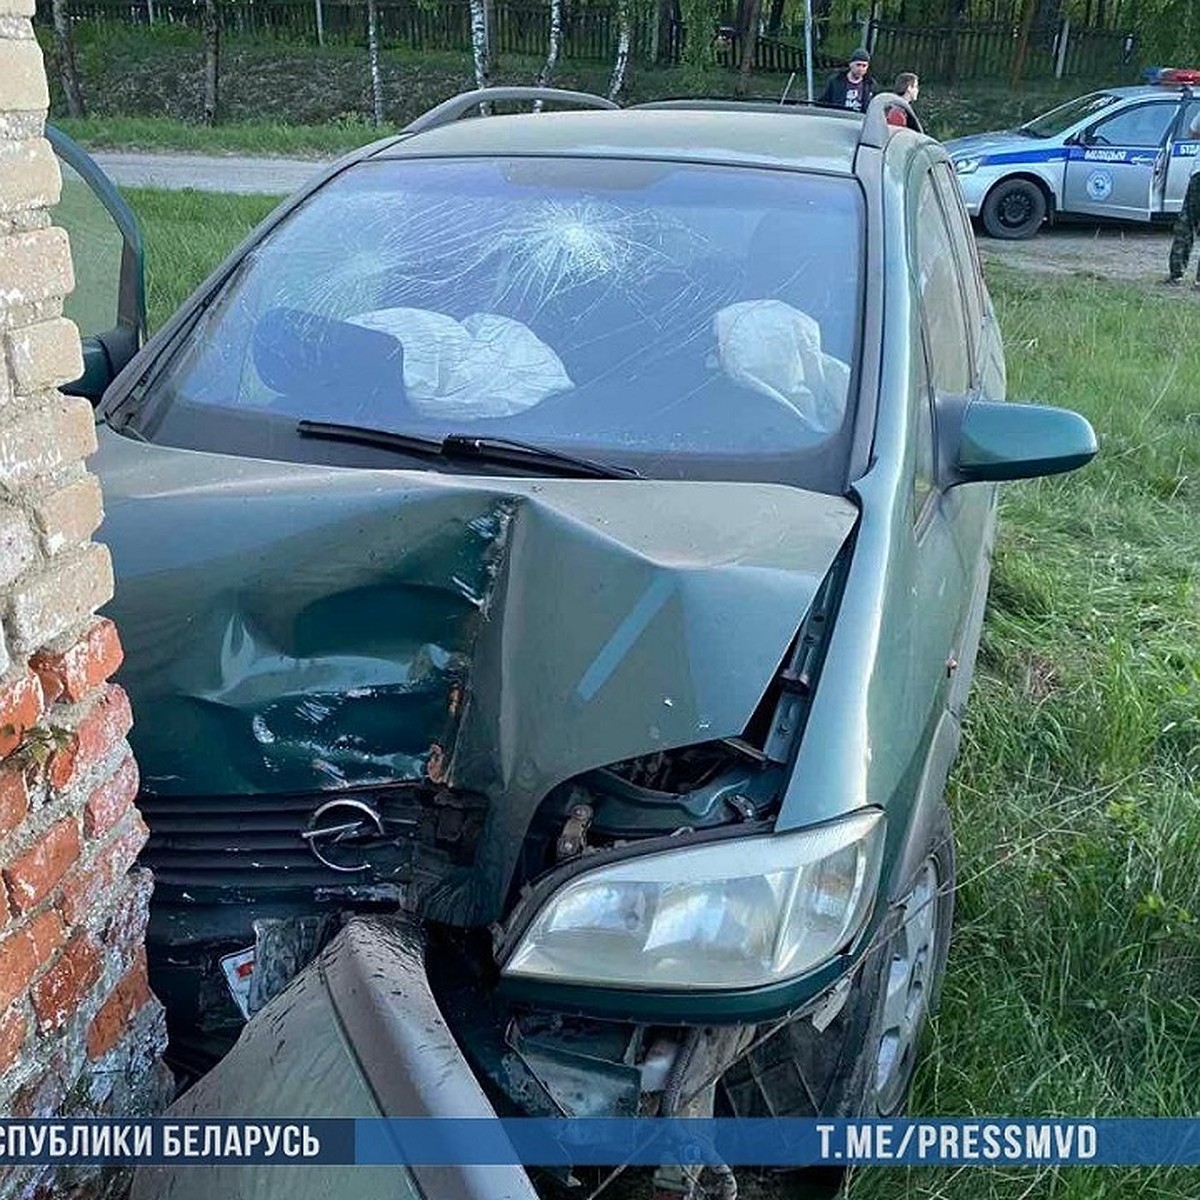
[357, 1034]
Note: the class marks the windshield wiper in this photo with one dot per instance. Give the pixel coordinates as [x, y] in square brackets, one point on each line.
[468, 446]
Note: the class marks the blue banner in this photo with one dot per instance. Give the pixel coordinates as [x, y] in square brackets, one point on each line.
[979, 1141]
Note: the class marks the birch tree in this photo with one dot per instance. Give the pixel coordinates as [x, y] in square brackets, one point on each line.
[64, 43]
[620, 73]
[212, 62]
[373, 56]
[480, 50]
[554, 47]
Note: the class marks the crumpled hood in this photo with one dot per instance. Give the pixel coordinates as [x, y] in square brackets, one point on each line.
[293, 628]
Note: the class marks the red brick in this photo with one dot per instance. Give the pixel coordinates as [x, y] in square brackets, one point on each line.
[111, 800]
[14, 800]
[48, 934]
[127, 999]
[18, 963]
[104, 724]
[63, 988]
[32, 876]
[84, 886]
[12, 1037]
[82, 668]
[20, 708]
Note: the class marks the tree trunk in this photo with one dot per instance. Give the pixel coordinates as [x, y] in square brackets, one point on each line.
[554, 46]
[1022, 51]
[620, 73]
[480, 52]
[373, 55]
[212, 62]
[749, 45]
[775, 18]
[65, 46]
[493, 48]
[666, 17]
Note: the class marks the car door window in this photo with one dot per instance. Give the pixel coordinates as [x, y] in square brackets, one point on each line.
[965, 251]
[97, 247]
[943, 305]
[1143, 125]
[921, 409]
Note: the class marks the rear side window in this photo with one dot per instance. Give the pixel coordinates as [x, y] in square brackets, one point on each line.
[939, 286]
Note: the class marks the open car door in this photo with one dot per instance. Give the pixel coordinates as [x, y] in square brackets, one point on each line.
[109, 301]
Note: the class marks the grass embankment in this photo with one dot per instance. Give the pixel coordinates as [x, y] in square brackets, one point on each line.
[144, 91]
[1076, 962]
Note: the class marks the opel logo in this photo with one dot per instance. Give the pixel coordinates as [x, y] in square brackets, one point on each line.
[339, 829]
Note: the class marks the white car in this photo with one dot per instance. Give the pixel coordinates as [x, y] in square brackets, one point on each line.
[1125, 153]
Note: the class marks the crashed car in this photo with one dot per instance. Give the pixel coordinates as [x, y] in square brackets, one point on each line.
[571, 530]
[1122, 154]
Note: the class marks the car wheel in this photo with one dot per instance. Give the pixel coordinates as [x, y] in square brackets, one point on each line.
[1014, 209]
[862, 1063]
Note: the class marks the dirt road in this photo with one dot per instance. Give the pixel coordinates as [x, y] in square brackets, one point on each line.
[1131, 253]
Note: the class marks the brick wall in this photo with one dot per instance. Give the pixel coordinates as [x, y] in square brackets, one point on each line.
[80, 1032]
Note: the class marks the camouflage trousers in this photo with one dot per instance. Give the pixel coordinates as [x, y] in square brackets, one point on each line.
[1185, 229]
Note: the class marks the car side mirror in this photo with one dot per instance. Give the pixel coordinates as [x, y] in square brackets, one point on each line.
[998, 442]
[108, 303]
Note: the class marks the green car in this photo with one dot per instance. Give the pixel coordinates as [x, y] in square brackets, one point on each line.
[571, 530]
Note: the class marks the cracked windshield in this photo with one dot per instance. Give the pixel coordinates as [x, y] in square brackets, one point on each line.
[641, 311]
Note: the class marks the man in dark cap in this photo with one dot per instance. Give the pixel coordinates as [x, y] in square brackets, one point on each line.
[852, 88]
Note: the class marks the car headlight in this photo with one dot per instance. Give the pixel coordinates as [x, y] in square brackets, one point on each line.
[736, 914]
[966, 166]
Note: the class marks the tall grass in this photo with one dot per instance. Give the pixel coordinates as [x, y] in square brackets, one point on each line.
[1075, 969]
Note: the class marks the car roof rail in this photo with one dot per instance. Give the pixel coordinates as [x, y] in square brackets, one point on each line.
[457, 106]
[875, 128]
[726, 104]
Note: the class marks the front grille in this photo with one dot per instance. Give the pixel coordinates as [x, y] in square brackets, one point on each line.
[205, 848]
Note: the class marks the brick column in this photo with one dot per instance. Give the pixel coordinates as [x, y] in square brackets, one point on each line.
[80, 1032]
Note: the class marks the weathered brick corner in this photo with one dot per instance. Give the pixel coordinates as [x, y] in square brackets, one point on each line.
[81, 1034]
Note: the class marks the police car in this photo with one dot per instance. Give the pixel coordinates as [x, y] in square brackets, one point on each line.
[1124, 153]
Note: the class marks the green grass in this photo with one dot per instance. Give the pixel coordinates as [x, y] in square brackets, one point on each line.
[1076, 961]
[144, 91]
[187, 234]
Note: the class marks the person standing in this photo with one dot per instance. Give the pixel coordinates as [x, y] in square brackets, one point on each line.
[1188, 222]
[908, 87]
[853, 88]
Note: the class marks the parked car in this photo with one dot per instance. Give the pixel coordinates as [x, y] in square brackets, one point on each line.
[573, 530]
[1124, 153]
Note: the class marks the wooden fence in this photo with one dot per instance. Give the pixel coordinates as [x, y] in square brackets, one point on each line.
[968, 51]
[989, 51]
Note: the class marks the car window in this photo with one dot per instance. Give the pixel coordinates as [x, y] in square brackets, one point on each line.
[965, 250]
[1142, 125]
[921, 410]
[943, 306]
[1059, 120]
[97, 247]
[684, 319]
[1189, 127]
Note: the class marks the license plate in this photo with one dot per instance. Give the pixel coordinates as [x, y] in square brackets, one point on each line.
[238, 968]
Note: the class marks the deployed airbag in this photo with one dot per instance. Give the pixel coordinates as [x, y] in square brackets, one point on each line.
[484, 366]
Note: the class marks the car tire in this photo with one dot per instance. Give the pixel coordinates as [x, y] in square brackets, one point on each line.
[916, 943]
[1014, 209]
[862, 1063]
